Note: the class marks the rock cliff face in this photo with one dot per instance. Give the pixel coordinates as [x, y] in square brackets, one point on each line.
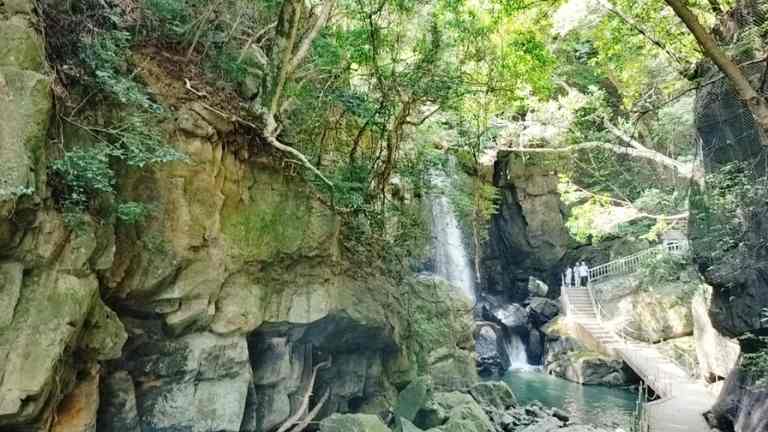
[739, 278]
[527, 235]
[211, 314]
[728, 134]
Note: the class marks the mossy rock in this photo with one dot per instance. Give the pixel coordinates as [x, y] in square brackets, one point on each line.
[413, 398]
[20, 45]
[353, 423]
[282, 219]
[463, 413]
[25, 107]
[494, 395]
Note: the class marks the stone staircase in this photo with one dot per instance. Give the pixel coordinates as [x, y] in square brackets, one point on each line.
[682, 400]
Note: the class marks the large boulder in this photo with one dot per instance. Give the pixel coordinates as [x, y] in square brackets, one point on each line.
[590, 368]
[741, 404]
[493, 395]
[541, 310]
[656, 315]
[512, 316]
[25, 107]
[568, 356]
[50, 312]
[536, 287]
[413, 398]
[460, 413]
[353, 423]
[452, 368]
[277, 371]
[488, 348]
[534, 347]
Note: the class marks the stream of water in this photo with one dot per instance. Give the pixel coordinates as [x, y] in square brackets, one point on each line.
[600, 406]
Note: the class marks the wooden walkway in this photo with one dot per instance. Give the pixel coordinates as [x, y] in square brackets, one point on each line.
[682, 402]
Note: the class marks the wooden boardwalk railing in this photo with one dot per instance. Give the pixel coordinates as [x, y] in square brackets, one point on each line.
[683, 400]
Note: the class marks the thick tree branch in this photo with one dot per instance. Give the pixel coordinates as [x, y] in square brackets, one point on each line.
[306, 43]
[756, 103]
[683, 170]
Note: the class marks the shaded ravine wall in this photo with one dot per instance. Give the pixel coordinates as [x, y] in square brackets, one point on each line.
[739, 278]
[207, 316]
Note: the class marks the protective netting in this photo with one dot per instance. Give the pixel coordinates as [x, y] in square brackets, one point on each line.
[725, 125]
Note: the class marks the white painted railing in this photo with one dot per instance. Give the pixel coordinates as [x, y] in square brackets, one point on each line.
[632, 263]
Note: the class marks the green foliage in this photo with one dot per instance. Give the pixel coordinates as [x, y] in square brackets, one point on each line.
[105, 56]
[128, 137]
[84, 173]
[474, 202]
[663, 267]
[170, 19]
[755, 364]
[581, 221]
[132, 212]
[655, 201]
[732, 203]
[137, 141]
[227, 65]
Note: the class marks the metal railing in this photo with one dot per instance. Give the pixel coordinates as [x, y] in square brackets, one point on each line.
[640, 420]
[632, 263]
[655, 377]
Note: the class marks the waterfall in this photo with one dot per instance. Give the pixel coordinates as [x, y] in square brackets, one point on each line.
[451, 259]
[515, 350]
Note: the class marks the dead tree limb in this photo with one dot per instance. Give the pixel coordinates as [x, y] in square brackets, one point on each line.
[296, 417]
[312, 414]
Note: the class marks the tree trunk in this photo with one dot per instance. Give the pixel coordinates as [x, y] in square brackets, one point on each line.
[755, 102]
[281, 55]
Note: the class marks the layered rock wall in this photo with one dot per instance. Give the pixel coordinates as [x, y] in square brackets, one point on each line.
[211, 314]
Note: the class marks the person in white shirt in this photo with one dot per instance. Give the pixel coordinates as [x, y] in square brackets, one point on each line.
[568, 277]
[577, 275]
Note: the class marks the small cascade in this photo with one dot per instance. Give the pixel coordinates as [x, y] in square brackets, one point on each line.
[514, 348]
[451, 259]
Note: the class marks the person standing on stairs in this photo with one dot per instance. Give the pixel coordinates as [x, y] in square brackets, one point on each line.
[568, 277]
[576, 275]
[583, 271]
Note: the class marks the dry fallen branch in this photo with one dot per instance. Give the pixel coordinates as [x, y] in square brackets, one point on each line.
[296, 417]
[312, 414]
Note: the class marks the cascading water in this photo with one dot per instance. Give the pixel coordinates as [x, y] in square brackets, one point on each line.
[450, 255]
[515, 350]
